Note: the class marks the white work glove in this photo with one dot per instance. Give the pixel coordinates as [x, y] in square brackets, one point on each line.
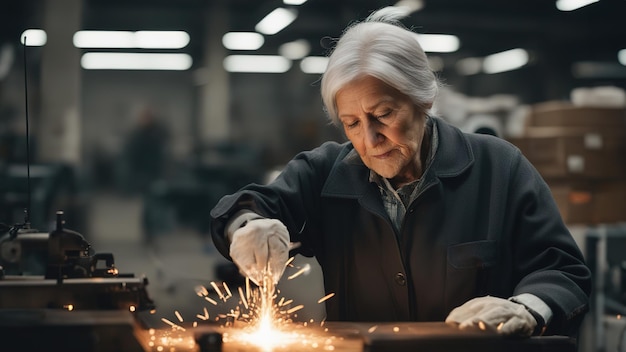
[496, 314]
[261, 248]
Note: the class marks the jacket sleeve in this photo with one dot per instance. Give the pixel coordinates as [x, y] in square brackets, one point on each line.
[548, 262]
[292, 198]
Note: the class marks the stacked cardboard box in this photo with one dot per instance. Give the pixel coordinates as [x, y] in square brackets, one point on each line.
[581, 153]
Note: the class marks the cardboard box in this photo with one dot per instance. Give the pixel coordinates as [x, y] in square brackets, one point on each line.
[565, 114]
[590, 202]
[577, 153]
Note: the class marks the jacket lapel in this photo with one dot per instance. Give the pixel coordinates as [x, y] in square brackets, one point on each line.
[349, 178]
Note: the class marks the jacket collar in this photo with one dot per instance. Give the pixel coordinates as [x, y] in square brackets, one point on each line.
[350, 177]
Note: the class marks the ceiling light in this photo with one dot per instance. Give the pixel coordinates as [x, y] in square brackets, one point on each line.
[242, 40]
[161, 39]
[257, 63]
[135, 61]
[505, 61]
[295, 50]
[129, 39]
[314, 64]
[34, 37]
[621, 56]
[438, 43]
[294, 2]
[571, 5]
[103, 39]
[276, 20]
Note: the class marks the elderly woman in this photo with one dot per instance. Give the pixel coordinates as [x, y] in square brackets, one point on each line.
[411, 220]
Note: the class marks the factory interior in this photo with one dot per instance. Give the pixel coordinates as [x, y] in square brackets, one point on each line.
[131, 156]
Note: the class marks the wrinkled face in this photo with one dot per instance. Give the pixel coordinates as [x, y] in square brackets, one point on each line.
[384, 126]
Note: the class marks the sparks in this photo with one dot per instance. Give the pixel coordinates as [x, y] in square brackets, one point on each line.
[294, 309]
[201, 291]
[247, 288]
[173, 325]
[298, 273]
[228, 293]
[180, 318]
[219, 292]
[213, 302]
[326, 297]
[243, 297]
[481, 325]
[262, 319]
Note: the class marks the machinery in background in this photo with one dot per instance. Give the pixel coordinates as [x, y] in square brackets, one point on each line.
[54, 287]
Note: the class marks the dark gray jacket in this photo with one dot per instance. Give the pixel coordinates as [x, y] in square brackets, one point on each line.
[485, 223]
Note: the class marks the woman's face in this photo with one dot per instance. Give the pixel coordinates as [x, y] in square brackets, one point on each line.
[384, 126]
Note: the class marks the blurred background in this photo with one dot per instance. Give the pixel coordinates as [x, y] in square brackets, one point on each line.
[143, 113]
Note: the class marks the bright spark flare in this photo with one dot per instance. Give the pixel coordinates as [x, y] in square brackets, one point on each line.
[263, 324]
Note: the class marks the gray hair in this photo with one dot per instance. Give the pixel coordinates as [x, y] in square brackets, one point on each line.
[383, 48]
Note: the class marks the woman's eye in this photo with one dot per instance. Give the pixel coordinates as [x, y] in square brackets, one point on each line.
[382, 116]
[351, 124]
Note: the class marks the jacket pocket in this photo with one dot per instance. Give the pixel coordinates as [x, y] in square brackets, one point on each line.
[469, 255]
[468, 269]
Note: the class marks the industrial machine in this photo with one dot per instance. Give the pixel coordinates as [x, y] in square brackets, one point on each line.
[55, 291]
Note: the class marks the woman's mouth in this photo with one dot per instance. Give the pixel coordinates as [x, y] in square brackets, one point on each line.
[382, 155]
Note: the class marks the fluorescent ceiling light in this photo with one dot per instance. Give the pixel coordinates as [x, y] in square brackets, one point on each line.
[314, 64]
[34, 37]
[161, 39]
[571, 5]
[505, 61]
[256, 63]
[621, 56]
[276, 20]
[242, 40]
[135, 61]
[295, 50]
[294, 2]
[438, 43]
[103, 39]
[129, 39]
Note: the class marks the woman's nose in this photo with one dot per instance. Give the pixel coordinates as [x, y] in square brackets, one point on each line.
[373, 135]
